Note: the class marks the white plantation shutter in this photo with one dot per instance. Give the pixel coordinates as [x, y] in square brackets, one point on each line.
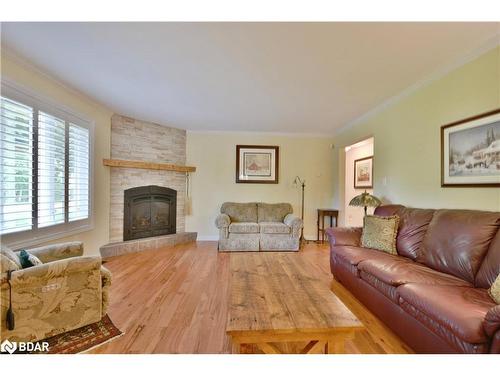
[79, 145]
[16, 166]
[45, 165]
[51, 169]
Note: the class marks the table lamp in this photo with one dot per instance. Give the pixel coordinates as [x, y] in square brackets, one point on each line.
[365, 200]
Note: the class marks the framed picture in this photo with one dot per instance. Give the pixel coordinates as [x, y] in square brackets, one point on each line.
[470, 152]
[363, 173]
[257, 164]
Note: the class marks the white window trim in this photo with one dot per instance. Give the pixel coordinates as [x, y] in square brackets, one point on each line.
[32, 237]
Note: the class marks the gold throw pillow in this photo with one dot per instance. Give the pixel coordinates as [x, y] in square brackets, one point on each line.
[494, 291]
[379, 232]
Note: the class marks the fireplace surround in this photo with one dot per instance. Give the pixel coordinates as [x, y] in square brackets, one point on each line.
[149, 211]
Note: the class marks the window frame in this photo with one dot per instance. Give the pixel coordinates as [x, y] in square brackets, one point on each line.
[31, 237]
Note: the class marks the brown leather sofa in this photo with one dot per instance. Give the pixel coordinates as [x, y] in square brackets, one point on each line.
[434, 293]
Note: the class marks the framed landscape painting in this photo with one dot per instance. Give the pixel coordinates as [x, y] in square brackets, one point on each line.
[470, 152]
[363, 173]
[257, 164]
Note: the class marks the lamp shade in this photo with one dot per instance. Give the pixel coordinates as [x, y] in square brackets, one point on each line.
[365, 200]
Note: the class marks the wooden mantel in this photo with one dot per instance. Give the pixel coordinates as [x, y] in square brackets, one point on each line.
[147, 165]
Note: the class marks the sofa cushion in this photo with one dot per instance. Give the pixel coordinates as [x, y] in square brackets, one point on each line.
[413, 224]
[388, 210]
[387, 290]
[457, 241]
[274, 228]
[490, 268]
[379, 232]
[402, 271]
[460, 310]
[491, 322]
[243, 228]
[354, 254]
[240, 212]
[273, 212]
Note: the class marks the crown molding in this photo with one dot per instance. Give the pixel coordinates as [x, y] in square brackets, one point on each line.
[261, 133]
[490, 44]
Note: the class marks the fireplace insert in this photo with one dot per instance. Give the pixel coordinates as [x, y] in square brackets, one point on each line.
[149, 211]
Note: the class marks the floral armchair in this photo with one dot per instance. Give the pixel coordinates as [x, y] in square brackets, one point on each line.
[66, 292]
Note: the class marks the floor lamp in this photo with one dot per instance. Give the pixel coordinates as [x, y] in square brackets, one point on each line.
[300, 182]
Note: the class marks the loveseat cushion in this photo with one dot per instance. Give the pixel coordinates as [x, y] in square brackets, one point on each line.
[461, 311]
[457, 241]
[243, 228]
[273, 212]
[240, 212]
[402, 271]
[274, 228]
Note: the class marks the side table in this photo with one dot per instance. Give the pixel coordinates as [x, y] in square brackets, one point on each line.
[322, 212]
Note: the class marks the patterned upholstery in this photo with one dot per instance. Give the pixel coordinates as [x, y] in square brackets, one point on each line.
[273, 227]
[494, 291]
[240, 212]
[273, 212]
[66, 292]
[380, 232]
[243, 228]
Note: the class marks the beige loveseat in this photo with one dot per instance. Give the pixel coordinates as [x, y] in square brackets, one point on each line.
[258, 227]
[66, 292]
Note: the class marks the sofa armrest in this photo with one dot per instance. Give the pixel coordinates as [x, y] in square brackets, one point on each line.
[344, 236]
[491, 322]
[295, 223]
[55, 252]
[222, 221]
[43, 273]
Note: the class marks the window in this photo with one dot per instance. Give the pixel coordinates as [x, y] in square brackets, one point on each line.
[44, 169]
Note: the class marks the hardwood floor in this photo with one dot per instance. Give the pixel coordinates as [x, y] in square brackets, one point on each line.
[174, 300]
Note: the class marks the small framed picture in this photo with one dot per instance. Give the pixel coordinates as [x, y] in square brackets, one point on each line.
[363, 173]
[257, 164]
[470, 151]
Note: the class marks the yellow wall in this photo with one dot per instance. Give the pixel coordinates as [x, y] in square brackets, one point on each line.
[28, 77]
[214, 155]
[407, 138]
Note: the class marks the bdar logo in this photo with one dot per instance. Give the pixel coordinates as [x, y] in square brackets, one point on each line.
[8, 346]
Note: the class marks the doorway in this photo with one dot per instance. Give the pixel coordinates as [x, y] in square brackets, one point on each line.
[363, 149]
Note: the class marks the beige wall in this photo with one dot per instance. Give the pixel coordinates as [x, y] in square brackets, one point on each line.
[33, 80]
[354, 215]
[407, 139]
[214, 156]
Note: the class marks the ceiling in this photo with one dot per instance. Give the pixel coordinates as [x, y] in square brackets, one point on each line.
[271, 77]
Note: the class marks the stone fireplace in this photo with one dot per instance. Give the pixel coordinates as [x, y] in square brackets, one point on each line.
[149, 211]
[156, 197]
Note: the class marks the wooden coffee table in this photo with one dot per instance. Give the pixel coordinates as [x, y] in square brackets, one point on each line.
[276, 298]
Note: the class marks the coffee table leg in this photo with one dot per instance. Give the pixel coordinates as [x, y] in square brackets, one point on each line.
[335, 346]
[235, 348]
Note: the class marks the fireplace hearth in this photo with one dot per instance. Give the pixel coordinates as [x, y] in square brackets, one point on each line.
[149, 211]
